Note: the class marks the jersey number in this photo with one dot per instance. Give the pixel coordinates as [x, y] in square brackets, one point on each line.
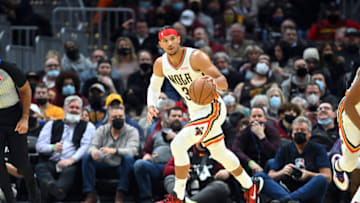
[186, 91]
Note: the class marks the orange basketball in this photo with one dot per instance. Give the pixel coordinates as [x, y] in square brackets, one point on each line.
[202, 91]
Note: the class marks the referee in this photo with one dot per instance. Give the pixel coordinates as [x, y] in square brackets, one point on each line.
[15, 99]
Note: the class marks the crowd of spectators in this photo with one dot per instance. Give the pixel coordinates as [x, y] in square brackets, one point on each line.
[288, 64]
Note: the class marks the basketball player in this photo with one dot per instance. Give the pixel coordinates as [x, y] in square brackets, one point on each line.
[349, 130]
[182, 65]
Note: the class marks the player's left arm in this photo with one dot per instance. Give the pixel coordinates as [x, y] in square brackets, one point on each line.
[201, 62]
[351, 99]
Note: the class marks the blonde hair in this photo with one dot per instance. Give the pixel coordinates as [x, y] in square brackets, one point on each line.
[53, 54]
[117, 58]
[273, 89]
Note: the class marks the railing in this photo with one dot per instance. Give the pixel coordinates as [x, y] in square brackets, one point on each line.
[99, 24]
[23, 56]
[22, 35]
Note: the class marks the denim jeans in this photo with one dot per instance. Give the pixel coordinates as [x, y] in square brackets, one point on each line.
[313, 191]
[145, 171]
[90, 166]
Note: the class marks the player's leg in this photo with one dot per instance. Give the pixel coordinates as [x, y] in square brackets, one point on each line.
[179, 146]
[348, 161]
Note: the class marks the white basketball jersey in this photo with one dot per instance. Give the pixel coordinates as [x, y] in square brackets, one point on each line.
[182, 76]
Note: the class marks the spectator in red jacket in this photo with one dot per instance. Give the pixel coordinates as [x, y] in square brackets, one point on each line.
[326, 28]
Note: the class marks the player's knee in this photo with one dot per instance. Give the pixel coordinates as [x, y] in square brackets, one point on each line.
[177, 146]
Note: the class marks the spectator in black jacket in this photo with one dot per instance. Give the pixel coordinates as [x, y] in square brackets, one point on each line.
[325, 131]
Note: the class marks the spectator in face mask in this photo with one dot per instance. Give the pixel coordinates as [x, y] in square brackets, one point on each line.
[259, 84]
[156, 154]
[312, 95]
[61, 145]
[67, 83]
[141, 78]
[223, 62]
[73, 59]
[124, 58]
[275, 98]
[326, 28]
[325, 131]
[319, 78]
[103, 76]
[287, 113]
[97, 101]
[48, 111]
[295, 85]
[111, 155]
[201, 38]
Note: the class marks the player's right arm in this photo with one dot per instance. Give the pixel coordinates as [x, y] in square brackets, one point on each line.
[154, 89]
[351, 99]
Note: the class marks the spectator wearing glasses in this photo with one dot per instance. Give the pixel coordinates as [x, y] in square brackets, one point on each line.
[222, 61]
[52, 68]
[325, 131]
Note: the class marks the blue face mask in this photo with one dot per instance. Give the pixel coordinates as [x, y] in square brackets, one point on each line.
[68, 90]
[224, 71]
[144, 4]
[42, 123]
[324, 122]
[178, 6]
[321, 84]
[53, 73]
[275, 102]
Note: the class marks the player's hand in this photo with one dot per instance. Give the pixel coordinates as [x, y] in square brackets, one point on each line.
[22, 126]
[210, 79]
[152, 112]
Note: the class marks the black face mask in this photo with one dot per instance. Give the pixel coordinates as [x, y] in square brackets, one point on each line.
[73, 54]
[289, 118]
[118, 123]
[145, 67]
[32, 122]
[176, 126]
[124, 51]
[195, 6]
[333, 18]
[301, 72]
[41, 101]
[299, 138]
[95, 102]
[328, 57]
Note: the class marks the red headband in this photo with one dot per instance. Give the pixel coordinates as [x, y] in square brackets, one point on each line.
[167, 32]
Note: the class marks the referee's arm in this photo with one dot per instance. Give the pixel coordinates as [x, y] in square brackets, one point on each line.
[22, 125]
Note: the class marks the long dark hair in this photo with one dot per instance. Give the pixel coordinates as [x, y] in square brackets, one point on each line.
[59, 83]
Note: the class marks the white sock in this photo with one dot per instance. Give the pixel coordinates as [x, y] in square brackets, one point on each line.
[244, 179]
[179, 188]
[356, 197]
[337, 166]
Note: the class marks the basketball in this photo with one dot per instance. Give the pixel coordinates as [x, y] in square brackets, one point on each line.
[202, 91]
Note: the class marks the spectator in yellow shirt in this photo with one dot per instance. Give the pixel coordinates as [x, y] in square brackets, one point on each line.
[48, 111]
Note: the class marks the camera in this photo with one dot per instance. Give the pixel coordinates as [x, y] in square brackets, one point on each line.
[296, 173]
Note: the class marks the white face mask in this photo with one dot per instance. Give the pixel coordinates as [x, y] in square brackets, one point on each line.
[262, 68]
[312, 99]
[72, 118]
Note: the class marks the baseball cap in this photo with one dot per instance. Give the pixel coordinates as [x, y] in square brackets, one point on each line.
[112, 97]
[350, 31]
[35, 108]
[98, 86]
[187, 17]
[311, 52]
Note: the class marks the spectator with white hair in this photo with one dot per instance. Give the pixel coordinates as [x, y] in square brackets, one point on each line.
[223, 62]
[300, 102]
[61, 145]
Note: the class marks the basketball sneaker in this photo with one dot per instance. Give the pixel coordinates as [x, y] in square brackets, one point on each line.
[252, 195]
[340, 178]
[170, 198]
